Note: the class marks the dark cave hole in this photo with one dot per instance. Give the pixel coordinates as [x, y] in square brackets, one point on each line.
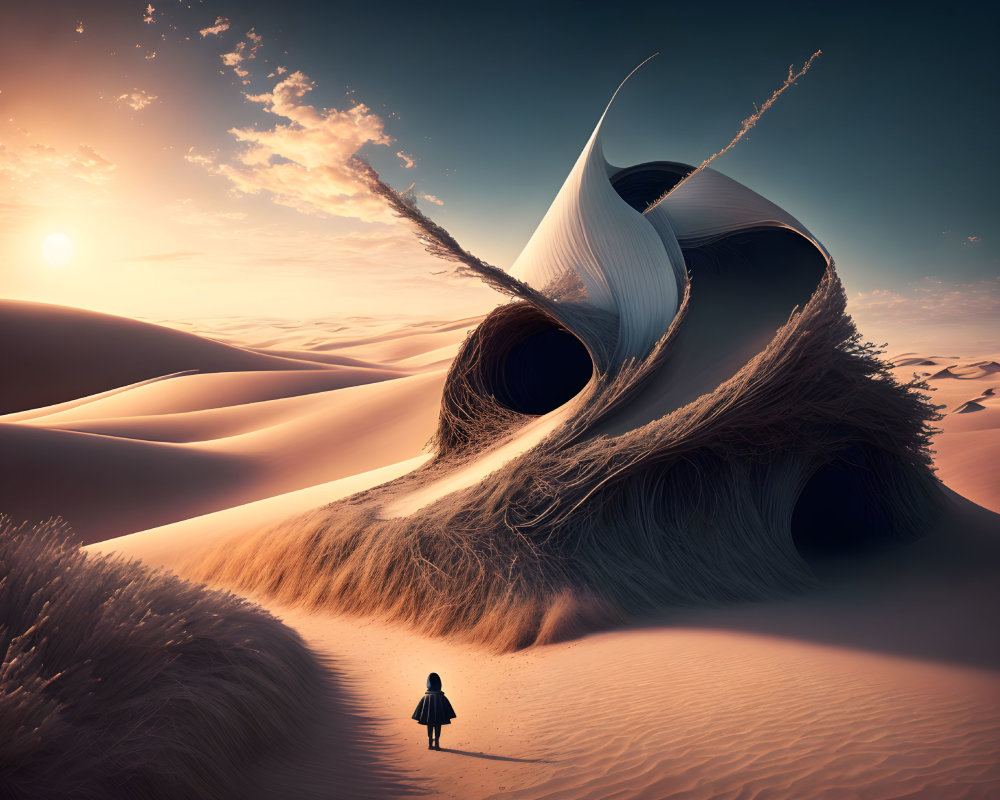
[840, 511]
[642, 184]
[540, 369]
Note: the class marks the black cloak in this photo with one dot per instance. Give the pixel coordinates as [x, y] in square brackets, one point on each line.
[434, 708]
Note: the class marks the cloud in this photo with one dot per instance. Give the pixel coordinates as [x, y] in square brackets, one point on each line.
[245, 50]
[79, 26]
[201, 160]
[221, 24]
[137, 99]
[929, 300]
[148, 17]
[972, 240]
[432, 199]
[408, 162]
[307, 163]
[40, 164]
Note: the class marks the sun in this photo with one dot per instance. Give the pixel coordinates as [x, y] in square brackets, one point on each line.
[57, 249]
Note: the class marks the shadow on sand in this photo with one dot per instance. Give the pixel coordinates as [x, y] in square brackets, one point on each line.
[935, 599]
[346, 758]
[490, 757]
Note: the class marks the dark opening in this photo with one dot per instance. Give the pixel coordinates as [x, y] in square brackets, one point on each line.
[840, 511]
[541, 370]
[642, 184]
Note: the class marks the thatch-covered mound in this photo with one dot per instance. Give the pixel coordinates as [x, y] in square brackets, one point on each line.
[811, 444]
[731, 423]
[119, 682]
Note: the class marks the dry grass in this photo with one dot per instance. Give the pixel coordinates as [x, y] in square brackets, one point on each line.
[584, 530]
[119, 682]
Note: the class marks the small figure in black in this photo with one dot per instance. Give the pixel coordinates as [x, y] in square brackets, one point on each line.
[434, 710]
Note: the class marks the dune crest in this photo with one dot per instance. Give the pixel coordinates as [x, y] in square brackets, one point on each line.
[186, 444]
[53, 354]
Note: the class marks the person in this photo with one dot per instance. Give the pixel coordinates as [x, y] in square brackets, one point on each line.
[434, 710]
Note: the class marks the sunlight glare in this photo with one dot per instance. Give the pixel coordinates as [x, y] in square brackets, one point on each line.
[57, 249]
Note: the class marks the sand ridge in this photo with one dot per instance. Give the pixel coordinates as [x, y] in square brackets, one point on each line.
[211, 425]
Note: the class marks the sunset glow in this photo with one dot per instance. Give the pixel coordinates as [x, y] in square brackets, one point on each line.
[199, 156]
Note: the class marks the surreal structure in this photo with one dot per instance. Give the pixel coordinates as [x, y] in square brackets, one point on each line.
[674, 409]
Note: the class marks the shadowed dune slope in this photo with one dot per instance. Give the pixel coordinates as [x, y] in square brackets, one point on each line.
[104, 486]
[108, 477]
[118, 682]
[52, 354]
[181, 394]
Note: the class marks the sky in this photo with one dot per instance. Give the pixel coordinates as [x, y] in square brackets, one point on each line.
[194, 154]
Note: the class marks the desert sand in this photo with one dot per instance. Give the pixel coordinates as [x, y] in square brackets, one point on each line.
[967, 393]
[882, 681]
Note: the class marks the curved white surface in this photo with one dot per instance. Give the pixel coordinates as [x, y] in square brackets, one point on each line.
[592, 247]
[709, 204]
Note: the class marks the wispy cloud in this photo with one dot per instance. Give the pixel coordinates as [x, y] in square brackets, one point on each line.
[931, 314]
[930, 300]
[245, 50]
[79, 26]
[38, 163]
[148, 16]
[221, 24]
[137, 99]
[408, 161]
[307, 163]
[432, 199]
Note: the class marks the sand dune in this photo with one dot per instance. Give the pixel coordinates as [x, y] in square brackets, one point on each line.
[184, 393]
[968, 441]
[332, 341]
[172, 545]
[54, 353]
[105, 486]
[142, 454]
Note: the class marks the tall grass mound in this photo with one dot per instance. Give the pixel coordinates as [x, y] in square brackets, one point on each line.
[120, 682]
[811, 443]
